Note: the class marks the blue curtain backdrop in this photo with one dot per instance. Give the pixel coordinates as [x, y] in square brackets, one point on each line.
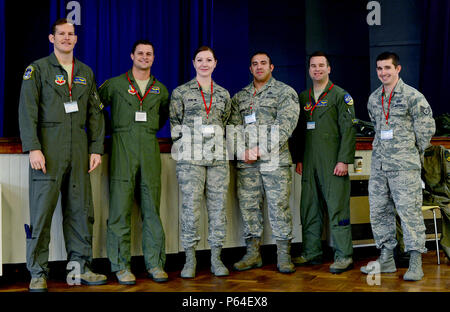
[435, 71]
[2, 63]
[109, 28]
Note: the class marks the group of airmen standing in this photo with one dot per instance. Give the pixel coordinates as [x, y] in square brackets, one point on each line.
[62, 127]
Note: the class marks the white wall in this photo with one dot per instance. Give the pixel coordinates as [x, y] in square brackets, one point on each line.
[15, 212]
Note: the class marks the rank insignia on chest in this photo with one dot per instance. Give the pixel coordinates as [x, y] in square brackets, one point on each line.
[79, 80]
[60, 80]
[131, 90]
[155, 90]
[28, 72]
[348, 99]
[308, 106]
[322, 103]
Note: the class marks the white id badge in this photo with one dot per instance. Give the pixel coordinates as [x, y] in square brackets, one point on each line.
[141, 116]
[208, 130]
[310, 125]
[387, 134]
[71, 107]
[250, 118]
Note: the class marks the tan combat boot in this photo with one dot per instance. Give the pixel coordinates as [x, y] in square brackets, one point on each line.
[190, 264]
[284, 263]
[252, 259]
[217, 266]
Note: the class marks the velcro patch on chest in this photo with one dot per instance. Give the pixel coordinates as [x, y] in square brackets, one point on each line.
[79, 80]
[60, 80]
[131, 90]
[322, 103]
[308, 106]
[155, 90]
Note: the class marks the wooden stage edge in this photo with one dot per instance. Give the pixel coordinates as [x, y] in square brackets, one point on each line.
[14, 146]
[267, 279]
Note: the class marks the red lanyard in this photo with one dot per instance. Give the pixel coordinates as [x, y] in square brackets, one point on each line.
[320, 99]
[137, 93]
[71, 80]
[253, 98]
[207, 109]
[389, 104]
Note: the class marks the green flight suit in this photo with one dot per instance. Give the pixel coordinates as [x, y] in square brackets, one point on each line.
[436, 175]
[135, 161]
[62, 138]
[331, 140]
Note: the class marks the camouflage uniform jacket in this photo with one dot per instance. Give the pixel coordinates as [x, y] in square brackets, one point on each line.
[275, 104]
[186, 105]
[410, 118]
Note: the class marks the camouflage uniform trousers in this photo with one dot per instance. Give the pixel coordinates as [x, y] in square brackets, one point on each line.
[251, 185]
[403, 190]
[197, 182]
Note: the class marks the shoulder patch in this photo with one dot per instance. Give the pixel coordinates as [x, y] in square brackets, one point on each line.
[28, 72]
[348, 99]
[425, 110]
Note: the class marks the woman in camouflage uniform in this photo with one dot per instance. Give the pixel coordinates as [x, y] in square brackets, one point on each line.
[199, 110]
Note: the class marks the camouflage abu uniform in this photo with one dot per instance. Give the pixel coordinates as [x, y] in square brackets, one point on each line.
[395, 171]
[275, 104]
[201, 169]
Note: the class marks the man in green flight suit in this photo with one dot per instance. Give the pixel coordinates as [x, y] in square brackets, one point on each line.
[139, 108]
[325, 145]
[58, 100]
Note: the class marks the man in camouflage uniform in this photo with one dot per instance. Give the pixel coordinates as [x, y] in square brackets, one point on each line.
[404, 126]
[139, 108]
[58, 100]
[325, 145]
[265, 168]
[202, 166]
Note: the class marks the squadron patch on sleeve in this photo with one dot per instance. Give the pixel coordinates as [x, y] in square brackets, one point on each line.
[425, 110]
[348, 99]
[28, 72]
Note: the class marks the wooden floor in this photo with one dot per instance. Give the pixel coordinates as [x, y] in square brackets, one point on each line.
[266, 279]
